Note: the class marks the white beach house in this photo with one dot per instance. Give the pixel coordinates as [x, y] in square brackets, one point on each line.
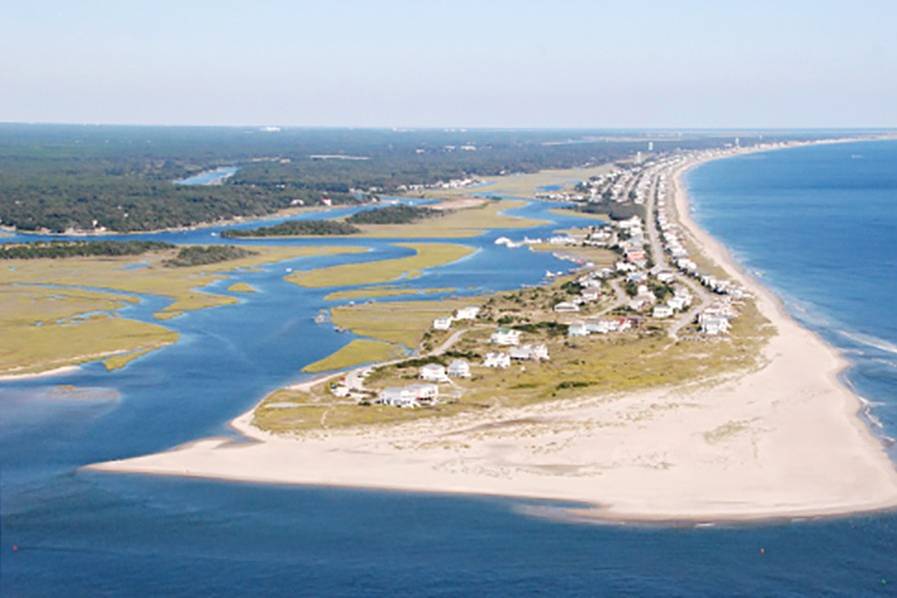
[442, 323]
[662, 311]
[459, 368]
[467, 313]
[497, 360]
[433, 372]
[566, 307]
[397, 396]
[578, 329]
[505, 337]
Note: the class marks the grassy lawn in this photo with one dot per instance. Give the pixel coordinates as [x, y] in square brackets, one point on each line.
[357, 352]
[427, 255]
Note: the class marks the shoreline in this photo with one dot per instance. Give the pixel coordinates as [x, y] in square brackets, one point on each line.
[789, 434]
[65, 369]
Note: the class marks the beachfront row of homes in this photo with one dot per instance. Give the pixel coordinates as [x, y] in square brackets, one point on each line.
[715, 318]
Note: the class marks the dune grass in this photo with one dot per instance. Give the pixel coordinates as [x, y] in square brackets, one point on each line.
[592, 366]
[427, 255]
[357, 352]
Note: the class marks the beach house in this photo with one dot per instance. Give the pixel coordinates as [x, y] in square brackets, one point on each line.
[433, 372]
[442, 323]
[505, 337]
[565, 307]
[662, 311]
[713, 325]
[529, 353]
[397, 396]
[459, 368]
[427, 393]
[467, 313]
[497, 360]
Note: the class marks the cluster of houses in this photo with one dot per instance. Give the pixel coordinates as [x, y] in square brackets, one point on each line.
[463, 183]
[715, 319]
[602, 326]
[508, 337]
[431, 375]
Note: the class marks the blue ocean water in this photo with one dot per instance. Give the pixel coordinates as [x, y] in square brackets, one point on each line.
[69, 532]
[819, 224]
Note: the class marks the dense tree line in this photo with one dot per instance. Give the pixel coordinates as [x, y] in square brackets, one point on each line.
[615, 210]
[63, 249]
[296, 228]
[59, 177]
[398, 214]
[200, 255]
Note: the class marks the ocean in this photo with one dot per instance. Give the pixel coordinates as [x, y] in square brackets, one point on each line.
[818, 224]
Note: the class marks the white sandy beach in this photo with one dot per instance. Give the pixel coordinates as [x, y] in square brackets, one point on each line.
[785, 440]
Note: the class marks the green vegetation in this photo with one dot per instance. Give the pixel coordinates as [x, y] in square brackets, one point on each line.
[398, 214]
[297, 228]
[463, 222]
[357, 352]
[203, 255]
[612, 209]
[64, 249]
[42, 329]
[426, 255]
[58, 177]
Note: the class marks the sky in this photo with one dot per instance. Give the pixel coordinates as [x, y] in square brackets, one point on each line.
[576, 64]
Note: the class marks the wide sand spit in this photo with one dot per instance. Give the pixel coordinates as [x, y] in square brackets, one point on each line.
[785, 440]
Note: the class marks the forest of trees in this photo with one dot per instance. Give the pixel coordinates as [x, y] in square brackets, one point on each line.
[398, 214]
[296, 228]
[121, 178]
[63, 249]
[615, 210]
[203, 255]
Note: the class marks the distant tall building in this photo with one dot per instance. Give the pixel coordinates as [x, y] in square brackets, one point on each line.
[737, 142]
[650, 146]
[638, 156]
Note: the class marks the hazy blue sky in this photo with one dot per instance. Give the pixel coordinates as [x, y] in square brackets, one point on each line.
[428, 63]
